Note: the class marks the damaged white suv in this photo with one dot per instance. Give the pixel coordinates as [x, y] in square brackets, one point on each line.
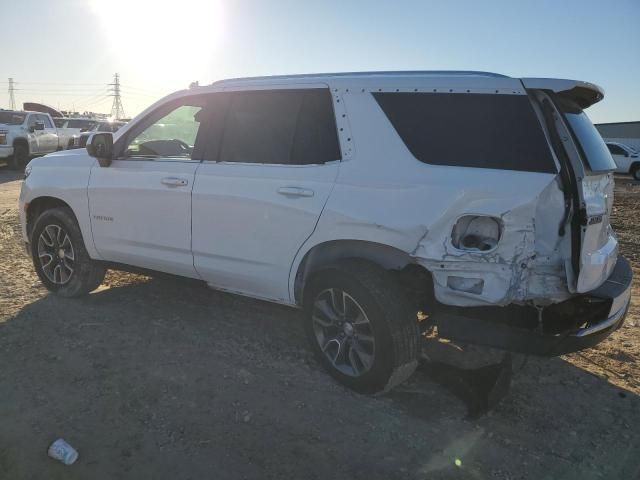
[481, 200]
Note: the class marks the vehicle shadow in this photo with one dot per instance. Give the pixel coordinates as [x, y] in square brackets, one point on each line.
[149, 372]
[8, 175]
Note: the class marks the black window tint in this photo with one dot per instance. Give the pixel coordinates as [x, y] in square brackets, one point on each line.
[260, 127]
[470, 130]
[316, 138]
[615, 149]
[281, 127]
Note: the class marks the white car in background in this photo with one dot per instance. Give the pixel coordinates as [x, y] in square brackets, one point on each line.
[80, 141]
[626, 158]
[383, 204]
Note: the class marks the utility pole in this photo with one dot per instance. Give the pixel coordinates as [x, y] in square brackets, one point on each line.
[12, 96]
[117, 110]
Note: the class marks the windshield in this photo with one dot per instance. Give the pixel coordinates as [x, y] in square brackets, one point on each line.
[594, 150]
[12, 118]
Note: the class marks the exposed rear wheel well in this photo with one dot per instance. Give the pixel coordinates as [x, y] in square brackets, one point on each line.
[39, 205]
[415, 279]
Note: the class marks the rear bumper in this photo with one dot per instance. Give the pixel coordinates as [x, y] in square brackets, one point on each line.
[610, 305]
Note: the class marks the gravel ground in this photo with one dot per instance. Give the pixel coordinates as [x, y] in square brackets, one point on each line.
[165, 379]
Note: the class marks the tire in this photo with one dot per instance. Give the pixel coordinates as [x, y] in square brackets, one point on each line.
[19, 158]
[56, 238]
[371, 353]
[635, 172]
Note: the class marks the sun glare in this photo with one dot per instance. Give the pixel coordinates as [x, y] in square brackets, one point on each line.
[176, 40]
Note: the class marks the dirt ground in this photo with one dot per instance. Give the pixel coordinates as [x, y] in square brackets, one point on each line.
[165, 379]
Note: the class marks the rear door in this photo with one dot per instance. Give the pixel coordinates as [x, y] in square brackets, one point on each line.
[267, 174]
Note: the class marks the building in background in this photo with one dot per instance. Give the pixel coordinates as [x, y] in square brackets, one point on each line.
[627, 133]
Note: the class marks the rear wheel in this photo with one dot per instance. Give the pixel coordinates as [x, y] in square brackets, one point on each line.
[20, 157]
[60, 257]
[360, 326]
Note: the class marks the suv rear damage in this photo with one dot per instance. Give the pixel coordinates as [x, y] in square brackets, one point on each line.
[561, 279]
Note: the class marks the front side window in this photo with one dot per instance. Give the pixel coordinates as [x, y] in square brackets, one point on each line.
[590, 143]
[45, 119]
[289, 127]
[172, 134]
[469, 130]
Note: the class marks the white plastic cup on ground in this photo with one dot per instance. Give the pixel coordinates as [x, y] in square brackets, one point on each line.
[62, 451]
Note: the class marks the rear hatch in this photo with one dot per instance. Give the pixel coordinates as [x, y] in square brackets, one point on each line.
[586, 172]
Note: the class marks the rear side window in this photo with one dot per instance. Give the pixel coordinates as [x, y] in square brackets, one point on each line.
[469, 130]
[294, 127]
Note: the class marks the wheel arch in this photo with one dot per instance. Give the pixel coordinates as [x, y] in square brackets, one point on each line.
[325, 253]
[41, 204]
[21, 141]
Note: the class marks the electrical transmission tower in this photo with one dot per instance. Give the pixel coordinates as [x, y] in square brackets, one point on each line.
[117, 110]
[12, 95]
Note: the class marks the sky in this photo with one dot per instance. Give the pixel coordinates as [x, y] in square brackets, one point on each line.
[65, 52]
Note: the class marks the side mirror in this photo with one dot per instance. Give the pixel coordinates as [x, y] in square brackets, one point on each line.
[39, 126]
[100, 146]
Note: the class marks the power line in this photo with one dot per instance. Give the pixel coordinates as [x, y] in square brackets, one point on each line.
[12, 97]
[117, 110]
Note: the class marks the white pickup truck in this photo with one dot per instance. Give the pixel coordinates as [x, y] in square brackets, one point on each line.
[28, 134]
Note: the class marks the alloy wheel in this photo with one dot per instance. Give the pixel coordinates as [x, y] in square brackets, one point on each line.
[56, 254]
[343, 332]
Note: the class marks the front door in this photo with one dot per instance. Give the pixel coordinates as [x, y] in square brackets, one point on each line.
[49, 136]
[141, 204]
[36, 145]
[261, 189]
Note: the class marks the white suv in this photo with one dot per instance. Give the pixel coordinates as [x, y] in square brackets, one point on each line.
[384, 204]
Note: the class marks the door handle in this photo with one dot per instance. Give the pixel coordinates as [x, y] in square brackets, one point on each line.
[295, 192]
[174, 181]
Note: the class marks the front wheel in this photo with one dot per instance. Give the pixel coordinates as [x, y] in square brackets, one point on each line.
[20, 157]
[360, 326]
[635, 172]
[60, 257]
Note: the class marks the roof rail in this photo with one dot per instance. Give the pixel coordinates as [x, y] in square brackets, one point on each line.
[416, 73]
